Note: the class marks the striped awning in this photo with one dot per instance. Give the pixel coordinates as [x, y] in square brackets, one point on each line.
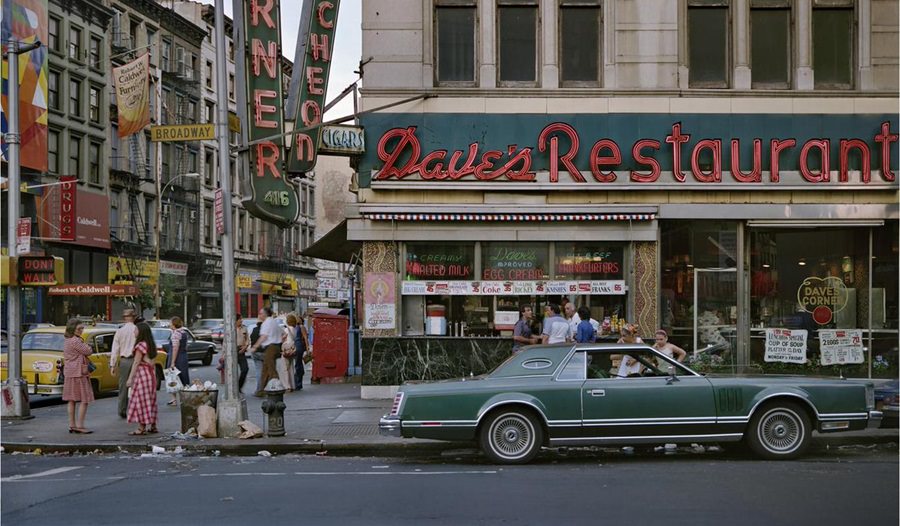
[507, 217]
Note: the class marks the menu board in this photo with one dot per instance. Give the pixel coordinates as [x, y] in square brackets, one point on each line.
[591, 261]
[439, 261]
[514, 261]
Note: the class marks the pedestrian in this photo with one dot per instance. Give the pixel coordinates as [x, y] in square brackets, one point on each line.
[584, 331]
[556, 328]
[522, 334]
[629, 365]
[671, 350]
[120, 359]
[572, 317]
[178, 358]
[288, 352]
[301, 341]
[242, 341]
[257, 356]
[142, 409]
[270, 337]
[77, 382]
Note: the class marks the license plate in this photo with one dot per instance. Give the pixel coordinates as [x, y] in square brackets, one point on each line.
[43, 390]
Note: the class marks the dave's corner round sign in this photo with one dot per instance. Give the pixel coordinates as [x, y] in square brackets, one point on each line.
[822, 297]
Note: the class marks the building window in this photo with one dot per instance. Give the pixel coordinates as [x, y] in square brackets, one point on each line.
[74, 156]
[94, 163]
[166, 158]
[708, 43]
[580, 38]
[166, 98]
[95, 51]
[312, 202]
[833, 44]
[209, 225]
[770, 44]
[192, 111]
[94, 100]
[53, 90]
[151, 37]
[231, 86]
[455, 41]
[53, 152]
[114, 224]
[166, 55]
[517, 38]
[193, 161]
[210, 167]
[149, 213]
[209, 74]
[75, 97]
[251, 234]
[53, 25]
[74, 43]
[210, 112]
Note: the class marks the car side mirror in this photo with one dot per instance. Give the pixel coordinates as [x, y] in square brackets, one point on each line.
[672, 377]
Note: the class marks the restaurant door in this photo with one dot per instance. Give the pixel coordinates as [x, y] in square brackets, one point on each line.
[715, 315]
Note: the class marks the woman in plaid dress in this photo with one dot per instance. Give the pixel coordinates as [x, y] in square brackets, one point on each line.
[142, 409]
[77, 383]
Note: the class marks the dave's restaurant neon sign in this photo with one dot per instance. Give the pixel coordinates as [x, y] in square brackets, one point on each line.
[400, 151]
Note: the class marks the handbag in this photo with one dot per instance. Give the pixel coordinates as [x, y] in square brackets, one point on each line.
[87, 367]
[287, 346]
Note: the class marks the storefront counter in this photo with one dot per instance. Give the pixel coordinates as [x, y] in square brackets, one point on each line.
[394, 360]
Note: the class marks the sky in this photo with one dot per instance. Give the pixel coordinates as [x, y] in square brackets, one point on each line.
[347, 46]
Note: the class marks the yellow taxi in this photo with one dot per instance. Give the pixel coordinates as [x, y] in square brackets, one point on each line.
[42, 358]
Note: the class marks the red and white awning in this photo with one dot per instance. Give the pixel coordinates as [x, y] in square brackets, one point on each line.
[507, 217]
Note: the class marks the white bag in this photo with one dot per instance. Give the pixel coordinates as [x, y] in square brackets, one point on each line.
[173, 381]
[285, 370]
[206, 421]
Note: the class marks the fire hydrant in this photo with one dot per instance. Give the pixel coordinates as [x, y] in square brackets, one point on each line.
[273, 406]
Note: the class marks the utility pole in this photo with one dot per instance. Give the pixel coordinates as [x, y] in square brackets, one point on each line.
[232, 409]
[17, 385]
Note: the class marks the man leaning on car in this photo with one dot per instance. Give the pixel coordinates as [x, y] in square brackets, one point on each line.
[121, 357]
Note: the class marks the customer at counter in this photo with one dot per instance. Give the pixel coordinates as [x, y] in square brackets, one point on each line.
[556, 328]
[522, 331]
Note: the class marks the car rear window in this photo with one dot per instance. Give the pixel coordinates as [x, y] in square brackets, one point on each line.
[43, 342]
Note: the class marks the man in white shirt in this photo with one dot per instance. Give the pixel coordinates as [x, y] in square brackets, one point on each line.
[121, 357]
[556, 328]
[573, 318]
[270, 336]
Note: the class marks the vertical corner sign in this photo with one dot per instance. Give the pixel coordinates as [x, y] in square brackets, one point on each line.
[316, 66]
[67, 192]
[273, 198]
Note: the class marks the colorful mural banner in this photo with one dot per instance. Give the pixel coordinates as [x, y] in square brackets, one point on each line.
[132, 83]
[380, 300]
[25, 21]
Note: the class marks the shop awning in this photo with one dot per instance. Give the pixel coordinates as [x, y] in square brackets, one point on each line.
[334, 246]
[508, 217]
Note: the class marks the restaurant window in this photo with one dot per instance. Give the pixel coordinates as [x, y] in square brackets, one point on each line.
[833, 44]
[75, 98]
[94, 172]
[580, 34]
[510, 261]
[517, 38]
[53, 89]
[603, 265]
[885, 300]
[708, 43]
[437, 311]
[94, 101]
[455, 41]
[53, 25]
[446, 261]
[770, 43]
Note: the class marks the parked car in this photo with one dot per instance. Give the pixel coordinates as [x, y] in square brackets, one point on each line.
[218, 334]
[159, 323]
[42, 359]
[202, 328]
[887, 400]
[196, 349]
[554, 395]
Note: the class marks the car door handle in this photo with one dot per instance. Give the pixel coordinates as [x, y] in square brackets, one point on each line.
[597, 392]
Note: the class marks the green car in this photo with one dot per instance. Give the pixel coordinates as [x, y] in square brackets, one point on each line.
[606, 394]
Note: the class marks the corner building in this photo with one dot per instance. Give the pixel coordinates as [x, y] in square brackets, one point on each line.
[714, 168]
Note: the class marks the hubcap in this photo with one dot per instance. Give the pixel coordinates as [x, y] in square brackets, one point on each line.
[511, 436]
[781, 431]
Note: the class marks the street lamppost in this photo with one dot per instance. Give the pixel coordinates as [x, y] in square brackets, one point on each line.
[157, 301]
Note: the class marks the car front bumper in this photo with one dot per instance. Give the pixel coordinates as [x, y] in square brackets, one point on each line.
[875, 419]
[390, 426]
[45, 389]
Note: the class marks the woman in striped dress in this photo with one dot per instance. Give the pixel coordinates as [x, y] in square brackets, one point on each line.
[142, 409]
[77, 383]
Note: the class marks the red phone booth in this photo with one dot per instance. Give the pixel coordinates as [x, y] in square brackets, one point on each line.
[330, 340]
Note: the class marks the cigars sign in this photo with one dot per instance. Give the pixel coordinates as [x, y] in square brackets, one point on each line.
[769, 163]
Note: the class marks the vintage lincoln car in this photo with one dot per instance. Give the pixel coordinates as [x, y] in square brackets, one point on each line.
[572, 394]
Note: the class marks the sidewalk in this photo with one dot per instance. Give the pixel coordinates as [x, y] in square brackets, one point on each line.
[321, 418]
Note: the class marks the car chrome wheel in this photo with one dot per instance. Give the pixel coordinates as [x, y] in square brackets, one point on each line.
[779, 431]
[511, 437]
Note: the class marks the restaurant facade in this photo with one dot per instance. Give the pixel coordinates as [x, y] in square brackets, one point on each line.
[731, 216]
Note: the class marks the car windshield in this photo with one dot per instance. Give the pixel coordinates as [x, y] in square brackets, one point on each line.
[161, 335]
[43, 341]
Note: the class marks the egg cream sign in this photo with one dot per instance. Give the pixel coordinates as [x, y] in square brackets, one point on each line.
[822, 297]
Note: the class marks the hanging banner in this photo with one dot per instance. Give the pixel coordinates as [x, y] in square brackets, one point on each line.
[380, 300]
[316, 67]
[272, 198]
[841, 346]
[26, 21]
[132, 82]
[785, 345]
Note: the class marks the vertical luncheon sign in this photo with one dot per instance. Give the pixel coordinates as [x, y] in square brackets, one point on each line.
[273, 199]
[313, 84]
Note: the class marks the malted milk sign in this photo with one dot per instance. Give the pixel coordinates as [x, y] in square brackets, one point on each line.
[786, 345]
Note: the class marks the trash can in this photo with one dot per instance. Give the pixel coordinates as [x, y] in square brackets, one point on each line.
[190, 401]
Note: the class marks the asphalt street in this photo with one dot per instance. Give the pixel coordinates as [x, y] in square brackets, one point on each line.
[840, 487]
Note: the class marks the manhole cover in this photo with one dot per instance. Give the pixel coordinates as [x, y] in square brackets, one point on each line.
[352, 430]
